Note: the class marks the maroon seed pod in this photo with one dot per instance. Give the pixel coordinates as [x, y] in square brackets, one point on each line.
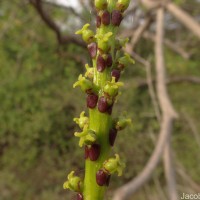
[98, 21]
[116, 73]
[103, 105]
[116, 17]
[92, 100]
[86, 152]
[79, 196]
[101, 177]
[105, 18]
[101, 64]
[112, 136]
[92, 48]
[94, 152]
[109, 61]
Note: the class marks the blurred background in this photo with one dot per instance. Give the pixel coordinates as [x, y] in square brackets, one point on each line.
[40, 59]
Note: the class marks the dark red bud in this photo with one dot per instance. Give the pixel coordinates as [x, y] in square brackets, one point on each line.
[98, 21]
[101, 64]
[102, 104]
[109, 61]
[102, 178]
[116, 73]
[116, 17]
[92, 100]
[105, 18]
[86, 152]
[92, 48]
[79, 196]
[94, 152]
[112, 136]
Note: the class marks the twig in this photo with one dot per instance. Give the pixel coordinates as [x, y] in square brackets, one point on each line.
[149, 78]
[192, 127]
[142, 83]
[169, 44]
[152, 92]
[137, 34]
[181, 171]
[184, 18]
[159, 189]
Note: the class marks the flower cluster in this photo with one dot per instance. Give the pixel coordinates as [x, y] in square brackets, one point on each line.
[101, 85]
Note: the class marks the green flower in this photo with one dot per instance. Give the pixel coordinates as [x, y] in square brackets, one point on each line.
[89, 71]
[113, 165]
[112, 88]
[125, 60]
[122, 5]
[85, 84]
[73, 183]
[103, 41]
[87, 34]
[87, 137]
[100, 4]
[82, 121]
[122, 123]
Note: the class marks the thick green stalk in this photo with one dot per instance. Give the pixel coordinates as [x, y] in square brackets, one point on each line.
[101, 85]
[101, 124]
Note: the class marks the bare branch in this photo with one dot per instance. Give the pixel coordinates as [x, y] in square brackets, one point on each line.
[149, 80]
[53, 26]
[139, 31]
[165, 104]
[128, 189]
[169, 44]
[184, 18]
[152, 92]
[169, 115]
[142, 83]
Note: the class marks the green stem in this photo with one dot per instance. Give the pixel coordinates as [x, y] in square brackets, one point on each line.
[101, 124]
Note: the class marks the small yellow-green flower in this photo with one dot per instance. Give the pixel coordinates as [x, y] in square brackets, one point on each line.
[87, 137]
[113, 165]
[73, 183]
[87, 34]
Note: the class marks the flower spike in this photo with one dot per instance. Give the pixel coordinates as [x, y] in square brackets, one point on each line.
[100, 82]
